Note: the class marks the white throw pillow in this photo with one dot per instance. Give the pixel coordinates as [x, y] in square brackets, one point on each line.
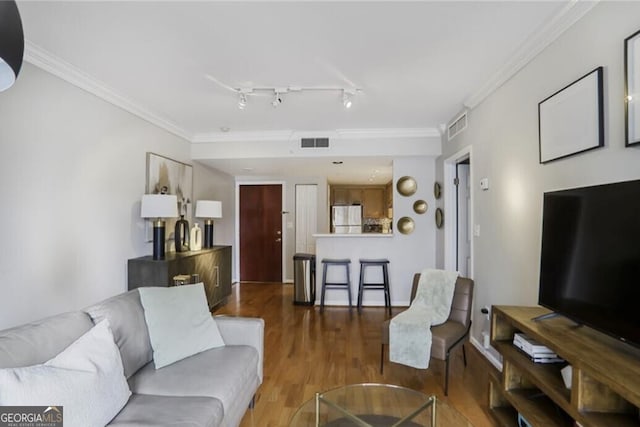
[87, 379]
[179, 322]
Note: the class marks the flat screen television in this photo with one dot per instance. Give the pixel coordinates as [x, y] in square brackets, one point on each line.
[590, 257]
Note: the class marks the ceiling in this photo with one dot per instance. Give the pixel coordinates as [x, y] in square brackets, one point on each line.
[417, 63]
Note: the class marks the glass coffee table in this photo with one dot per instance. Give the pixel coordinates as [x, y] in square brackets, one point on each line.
[376, 405]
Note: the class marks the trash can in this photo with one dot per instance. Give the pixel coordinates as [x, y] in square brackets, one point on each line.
[304, 279]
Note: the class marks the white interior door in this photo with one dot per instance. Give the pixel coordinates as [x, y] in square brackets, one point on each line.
[306, 217]
[463, 190]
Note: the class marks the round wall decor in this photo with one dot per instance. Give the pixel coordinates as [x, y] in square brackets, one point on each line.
[437, 190]
[420, 206]
[407, 186]
[406, 225]
[439, 218]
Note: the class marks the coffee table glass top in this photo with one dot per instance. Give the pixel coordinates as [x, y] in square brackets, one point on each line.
[376, 405]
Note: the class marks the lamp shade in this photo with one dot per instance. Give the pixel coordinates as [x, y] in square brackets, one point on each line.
[208, 209]
[11, 43]
[159, 206]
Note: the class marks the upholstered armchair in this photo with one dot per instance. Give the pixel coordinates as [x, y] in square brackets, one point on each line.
[450, 334]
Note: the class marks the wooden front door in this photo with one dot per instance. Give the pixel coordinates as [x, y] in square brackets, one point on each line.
[261, 233]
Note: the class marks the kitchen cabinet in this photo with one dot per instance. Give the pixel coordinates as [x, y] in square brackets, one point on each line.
[373, 202]
[388, 194]
[346, 195]
[374, 199]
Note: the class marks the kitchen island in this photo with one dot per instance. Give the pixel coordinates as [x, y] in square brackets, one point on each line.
[355, 247]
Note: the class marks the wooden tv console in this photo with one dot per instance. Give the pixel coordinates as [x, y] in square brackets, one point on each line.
[605, 389]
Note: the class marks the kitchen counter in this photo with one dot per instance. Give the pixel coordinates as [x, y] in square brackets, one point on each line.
[356, 247]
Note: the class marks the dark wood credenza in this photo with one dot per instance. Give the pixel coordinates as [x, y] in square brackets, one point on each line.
[213, 266]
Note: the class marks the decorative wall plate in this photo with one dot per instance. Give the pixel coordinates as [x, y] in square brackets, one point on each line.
[407, 186]
[439, 218]
[420, 206]
[437, 191]
[406, 225]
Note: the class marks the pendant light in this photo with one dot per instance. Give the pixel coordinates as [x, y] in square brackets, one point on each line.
[11, 43]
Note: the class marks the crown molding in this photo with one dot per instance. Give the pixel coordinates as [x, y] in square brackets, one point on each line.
[39, 57]
[388, 133]
[536, 43]
[287, 135]
[269, 135]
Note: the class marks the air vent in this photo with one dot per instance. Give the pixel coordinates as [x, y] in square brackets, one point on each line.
[458, 125]
[314, 143]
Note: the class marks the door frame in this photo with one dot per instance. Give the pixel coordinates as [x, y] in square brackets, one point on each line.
[451, 209]
[236, 248]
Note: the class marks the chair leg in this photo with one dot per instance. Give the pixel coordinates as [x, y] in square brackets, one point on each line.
[324, 280]
[360, 284]
[387, 292]
[446, 376]
[464, 355]
[381, 358]
[349, 285]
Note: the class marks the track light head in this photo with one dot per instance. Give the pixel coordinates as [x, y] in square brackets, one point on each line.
[277, 100]
[346, 101]
[347, 98]
[242, 101]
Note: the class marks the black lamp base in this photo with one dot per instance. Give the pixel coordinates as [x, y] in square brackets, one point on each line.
[158, 240]
[208, 234]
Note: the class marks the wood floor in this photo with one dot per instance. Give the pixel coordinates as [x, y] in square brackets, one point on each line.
[307, 352]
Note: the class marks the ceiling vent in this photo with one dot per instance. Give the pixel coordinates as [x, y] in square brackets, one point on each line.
[458, 125]
[314, 143]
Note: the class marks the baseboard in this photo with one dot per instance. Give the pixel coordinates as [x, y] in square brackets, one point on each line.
[486, 353]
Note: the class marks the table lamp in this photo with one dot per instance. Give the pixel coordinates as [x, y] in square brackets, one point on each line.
[11, 43]
[159, 206]
[208, 209]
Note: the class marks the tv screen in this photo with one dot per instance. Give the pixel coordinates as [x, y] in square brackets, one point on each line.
[590, 260]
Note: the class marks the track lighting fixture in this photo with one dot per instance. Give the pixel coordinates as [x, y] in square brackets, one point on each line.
[243, 93]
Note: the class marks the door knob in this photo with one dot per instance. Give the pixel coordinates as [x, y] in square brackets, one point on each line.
[278, 232]
[278, 240]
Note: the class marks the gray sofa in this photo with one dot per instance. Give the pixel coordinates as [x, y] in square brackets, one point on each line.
[212, 388]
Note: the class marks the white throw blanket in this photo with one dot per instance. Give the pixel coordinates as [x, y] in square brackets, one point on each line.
[410, 331]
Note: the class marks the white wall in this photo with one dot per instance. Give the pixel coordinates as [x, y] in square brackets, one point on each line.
[416, 251]
[73, 170]
[503, 131]
[212, 184]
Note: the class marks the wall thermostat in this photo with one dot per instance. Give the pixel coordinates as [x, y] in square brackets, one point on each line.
[484, 183]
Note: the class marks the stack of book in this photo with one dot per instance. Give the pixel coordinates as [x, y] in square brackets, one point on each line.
[537, 352]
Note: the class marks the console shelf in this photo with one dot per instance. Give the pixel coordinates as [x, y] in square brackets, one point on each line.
[605, 388]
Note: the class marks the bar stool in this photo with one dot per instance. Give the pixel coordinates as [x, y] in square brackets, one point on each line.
[383, 263]
[326, 263]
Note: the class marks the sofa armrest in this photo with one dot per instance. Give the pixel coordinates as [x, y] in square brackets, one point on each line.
[243, 331]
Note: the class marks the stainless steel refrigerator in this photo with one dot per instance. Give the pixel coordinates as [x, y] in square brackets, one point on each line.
[346, 219]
